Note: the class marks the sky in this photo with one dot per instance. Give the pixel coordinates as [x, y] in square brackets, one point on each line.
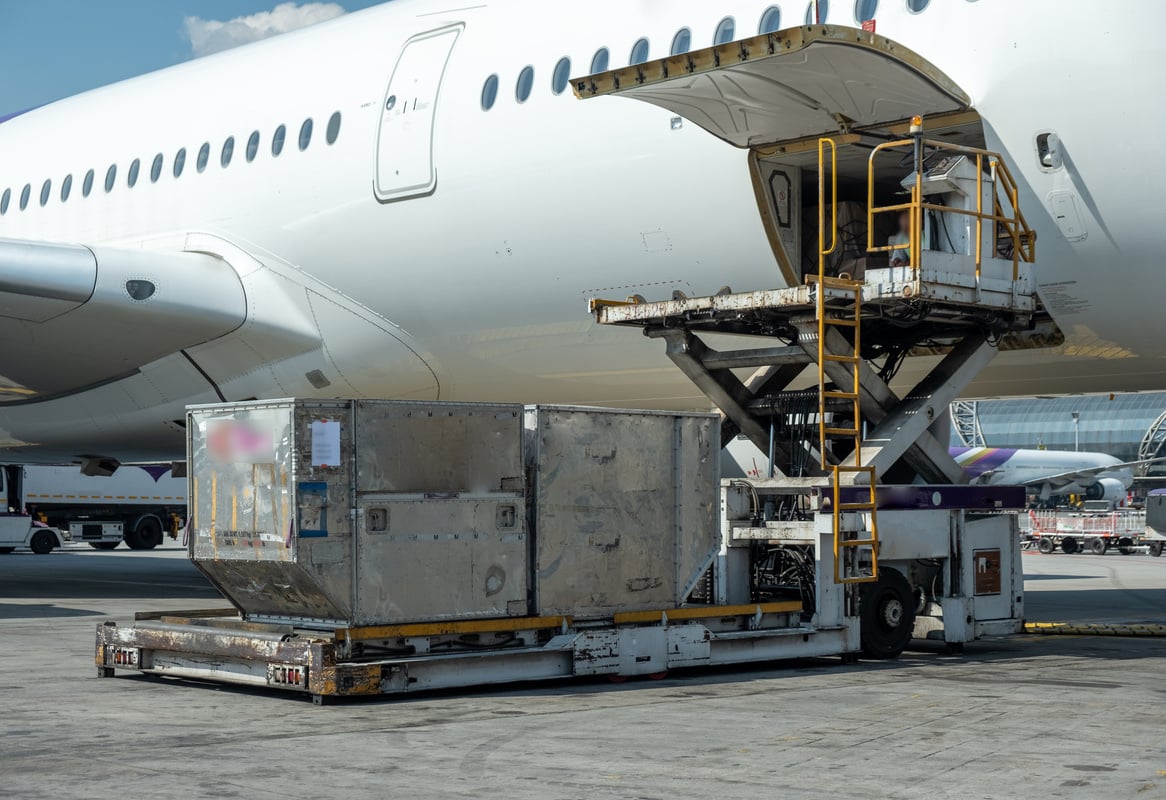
[51, 49]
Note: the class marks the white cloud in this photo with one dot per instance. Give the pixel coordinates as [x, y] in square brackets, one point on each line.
[211, 35]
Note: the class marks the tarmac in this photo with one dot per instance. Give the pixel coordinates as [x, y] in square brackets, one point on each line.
[1018, 717]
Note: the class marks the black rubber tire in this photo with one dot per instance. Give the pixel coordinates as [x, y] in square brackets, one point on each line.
[1046, 545]
[6, 550]
[42, 543]
[887, 615]
[1155, 549]
[146, 536]
[104, 545]
[1098, 547]
[1069, 546]
[1125, 545]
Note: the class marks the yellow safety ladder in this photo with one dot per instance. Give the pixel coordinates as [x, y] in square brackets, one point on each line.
[848, 538]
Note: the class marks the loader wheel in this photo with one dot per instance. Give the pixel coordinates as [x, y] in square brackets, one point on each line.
[1046, 545]
[1069, 546]
[104, 545]
[887, 612]
[1098, 547]
[1125, 545]
[42, 543]
[1155, 549]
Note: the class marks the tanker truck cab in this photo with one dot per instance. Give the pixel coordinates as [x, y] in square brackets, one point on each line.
[18, 529]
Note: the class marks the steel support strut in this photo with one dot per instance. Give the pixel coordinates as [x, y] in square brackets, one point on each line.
[897, 427]
[900, 427]
[727, 392]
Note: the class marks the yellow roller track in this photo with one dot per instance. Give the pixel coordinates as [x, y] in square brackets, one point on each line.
[1094, 629]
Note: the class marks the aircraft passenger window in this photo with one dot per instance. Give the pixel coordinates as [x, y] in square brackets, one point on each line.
[915, 6]
[179, 162]
[681, 42]
[87, 184]
[25, 193]
[66, 187]
[204, 155]
[277, 140]
[864, 10]
[45, 190]
[156, 169]
[228, 152]
[306, 134]
[5, 199]
[135, 167]
[639, 53]
[561, 76]
[818, 14]
[770, 20]
[489, 92]
[110, 178]
[525, 84]
[333, 131]
[252, 146]
[599, 61]
[725, 31]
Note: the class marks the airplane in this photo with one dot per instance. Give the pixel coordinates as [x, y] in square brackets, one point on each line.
[409, 202]
[1046, 473]
[1051, 473]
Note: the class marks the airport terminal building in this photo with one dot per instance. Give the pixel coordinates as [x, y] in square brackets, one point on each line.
[1121, 426]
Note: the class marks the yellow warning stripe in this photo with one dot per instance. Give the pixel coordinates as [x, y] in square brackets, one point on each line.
[34, 496]
[707, 612]
[1095, 629]
[452, 627]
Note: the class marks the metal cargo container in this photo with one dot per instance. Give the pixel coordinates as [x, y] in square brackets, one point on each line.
[622, 507]
[361, 513]
[352, 513]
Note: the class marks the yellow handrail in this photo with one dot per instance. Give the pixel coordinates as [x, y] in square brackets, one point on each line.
[1013, 223]
[822, 250]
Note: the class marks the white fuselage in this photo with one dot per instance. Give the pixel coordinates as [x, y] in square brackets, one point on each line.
[477, 290]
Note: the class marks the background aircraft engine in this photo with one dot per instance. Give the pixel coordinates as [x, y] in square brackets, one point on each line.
[1106, 489]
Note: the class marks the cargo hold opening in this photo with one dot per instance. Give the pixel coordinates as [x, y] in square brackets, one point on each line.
[776, 94]
[785, 180]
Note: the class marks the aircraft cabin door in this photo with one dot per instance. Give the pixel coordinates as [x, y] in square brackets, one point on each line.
[405, 149]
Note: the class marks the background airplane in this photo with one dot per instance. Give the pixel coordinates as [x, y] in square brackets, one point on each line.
[1051, 473]
[1046, 473]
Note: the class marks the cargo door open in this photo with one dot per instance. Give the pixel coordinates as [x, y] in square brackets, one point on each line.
[774, 95]
[792, 84]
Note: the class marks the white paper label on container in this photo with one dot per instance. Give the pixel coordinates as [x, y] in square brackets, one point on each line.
[325, 443]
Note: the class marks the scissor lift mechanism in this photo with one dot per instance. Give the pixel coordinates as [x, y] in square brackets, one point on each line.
[959, 305]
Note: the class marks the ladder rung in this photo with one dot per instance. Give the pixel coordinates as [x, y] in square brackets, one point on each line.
[843, 359]
[857, 507]
[861, 579]
[837, 395]
[842, 431]
[857, 542]
[844, 323]
[830, 282]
